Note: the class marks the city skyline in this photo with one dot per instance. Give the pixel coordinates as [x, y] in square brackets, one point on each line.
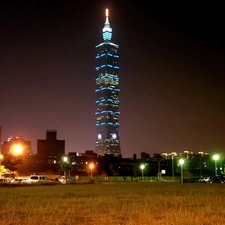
[171, 74]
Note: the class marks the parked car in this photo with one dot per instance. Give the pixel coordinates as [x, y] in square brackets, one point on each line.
[37, 178]
[3, 180]
[54, 180]
[204, 179]
[16, 181]
[216, 179]
[64, 179]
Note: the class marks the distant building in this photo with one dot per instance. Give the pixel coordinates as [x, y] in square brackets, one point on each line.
[81, 162]
[107, 91]
[50, 147]
[157, 155]
[49, 152]
[145, 155]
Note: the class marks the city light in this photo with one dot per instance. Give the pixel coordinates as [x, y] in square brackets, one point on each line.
[142, 171]
[17, 149]
[91, 166]
[181, 162]
[65, 159]
[216, 157]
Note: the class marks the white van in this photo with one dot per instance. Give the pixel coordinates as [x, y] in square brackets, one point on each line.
[37, 178]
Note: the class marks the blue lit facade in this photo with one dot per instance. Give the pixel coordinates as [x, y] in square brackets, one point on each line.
[107, 93]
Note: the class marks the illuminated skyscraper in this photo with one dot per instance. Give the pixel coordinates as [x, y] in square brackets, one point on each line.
[107, 81]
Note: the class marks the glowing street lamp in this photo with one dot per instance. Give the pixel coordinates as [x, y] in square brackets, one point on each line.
[65, 164]
[17, 149]
[216, 157]
[142, 171]
[91, 166]
[65, 159]
[181, 162]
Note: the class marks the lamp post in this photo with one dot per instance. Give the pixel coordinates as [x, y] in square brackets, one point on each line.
[91, 166]
[1, 157]
[200, 166]
[216, 157]
[159, 172]
[181, 162]
[173, 167]
[17, 149]
[65, 160]
[142, 171]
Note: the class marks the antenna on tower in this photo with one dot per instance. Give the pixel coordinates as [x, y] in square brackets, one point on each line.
[107, 30]
[107, 16]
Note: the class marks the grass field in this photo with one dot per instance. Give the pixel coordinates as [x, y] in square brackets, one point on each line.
[133, 203]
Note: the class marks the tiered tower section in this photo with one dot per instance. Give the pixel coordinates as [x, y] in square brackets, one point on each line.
[107, 82]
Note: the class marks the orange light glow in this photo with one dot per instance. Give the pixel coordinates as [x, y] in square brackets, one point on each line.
[91, 166]
[17, 149]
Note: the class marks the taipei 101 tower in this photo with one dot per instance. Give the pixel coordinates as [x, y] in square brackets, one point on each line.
[107, 94]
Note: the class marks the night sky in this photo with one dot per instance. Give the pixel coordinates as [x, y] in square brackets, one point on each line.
[172, 60]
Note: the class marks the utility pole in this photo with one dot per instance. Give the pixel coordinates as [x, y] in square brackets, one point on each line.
[1, 156]
[0, 139]
[173, 167]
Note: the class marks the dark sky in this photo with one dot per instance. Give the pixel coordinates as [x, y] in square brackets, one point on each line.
[172, 82]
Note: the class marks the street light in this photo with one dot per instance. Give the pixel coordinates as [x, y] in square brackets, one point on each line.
[159, 172]
[65, 160]
[216, 157]
[1, 157]
[181, 162]
[142, 174]
[91, 166]
[17, 149]
[173, 167]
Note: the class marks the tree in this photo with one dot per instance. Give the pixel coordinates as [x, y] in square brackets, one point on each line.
[11, 162]
[65, 164]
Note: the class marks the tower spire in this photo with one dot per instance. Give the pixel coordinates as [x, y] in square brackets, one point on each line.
[107, 16]
[107, 30]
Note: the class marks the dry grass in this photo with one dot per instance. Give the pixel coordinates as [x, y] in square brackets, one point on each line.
[127, 203]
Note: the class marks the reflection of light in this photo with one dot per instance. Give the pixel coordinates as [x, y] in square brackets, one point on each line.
[1, 156]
